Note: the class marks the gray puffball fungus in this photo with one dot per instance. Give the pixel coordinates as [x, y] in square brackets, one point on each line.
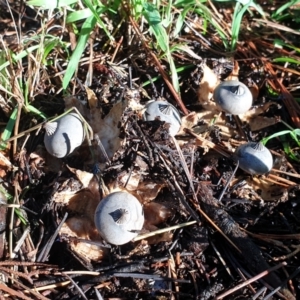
[165, 112]
[254, 158]
[118, 218]
[64, 135]
[233, 97]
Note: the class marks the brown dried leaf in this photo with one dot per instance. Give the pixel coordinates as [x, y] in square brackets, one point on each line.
[131, 180]
[257, 122]
[211, 118]
[83, 228]
[108, 129]
[261, 122]
[67, 190]
[155, 213]
[63, 197]
[267, 191]
[36, 158]
[147, 191]
[83, 176]
[207, 85]
[51, 163]
[254, 91]
[163, 237]
[234, 75]
[92, 98]
[189, 121]
[246, 191]
[5, 164]
[256, 111]
[72, 101]
[83, 203]
[141, 163]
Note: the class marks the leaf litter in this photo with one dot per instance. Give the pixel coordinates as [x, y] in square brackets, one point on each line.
[174, 185]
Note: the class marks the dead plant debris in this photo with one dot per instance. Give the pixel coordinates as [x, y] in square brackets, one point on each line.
[211, 231]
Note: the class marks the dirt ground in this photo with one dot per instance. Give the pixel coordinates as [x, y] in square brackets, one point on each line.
[233, 235]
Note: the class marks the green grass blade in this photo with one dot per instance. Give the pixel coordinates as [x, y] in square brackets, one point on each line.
[96, 14]
[204, 12]
[286, 59]
[19, 56]
[184, 3]
[20, 215]
[50, 4]
[277, 13]
[86, 29]
[280, 43]
[6, 194]
[236, 23]
[187, 50]
[35, 111]
[180, 21]
[174, 74]
[294, 134]
[7, 133]
[79, 15]
[50, 45]
[167, 14]
[297, 131]
[266, 139]
[288, 151]
[153, 18]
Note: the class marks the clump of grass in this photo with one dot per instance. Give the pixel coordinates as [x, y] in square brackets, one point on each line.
[19, 89]
[90, 15]
[158, 27]
[294, 135]
[286, 12]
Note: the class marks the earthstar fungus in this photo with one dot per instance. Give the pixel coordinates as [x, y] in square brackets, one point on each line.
[233, 97]
[165, 112]
[64, 135]
[119, 217]
[254, 158]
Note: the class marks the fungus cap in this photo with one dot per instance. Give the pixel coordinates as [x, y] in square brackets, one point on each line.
[254, 158]
[165, 112]
[233, 97]
[64, 135]
[118, 218]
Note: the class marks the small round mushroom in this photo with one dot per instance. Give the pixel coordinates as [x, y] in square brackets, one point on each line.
[254, 158]
[64, 135]
[118, 218]
[165, 112]
[233, 97]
